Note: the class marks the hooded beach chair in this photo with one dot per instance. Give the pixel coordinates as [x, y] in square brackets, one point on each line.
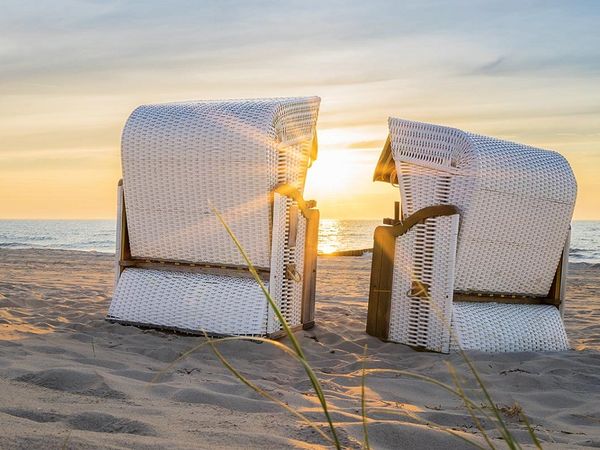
[477, 254]
[177, 267]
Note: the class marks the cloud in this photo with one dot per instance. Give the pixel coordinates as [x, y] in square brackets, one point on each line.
[534, 65]
[72, 70]
[490, 67]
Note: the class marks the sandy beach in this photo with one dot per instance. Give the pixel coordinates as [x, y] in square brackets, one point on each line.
[69, 379]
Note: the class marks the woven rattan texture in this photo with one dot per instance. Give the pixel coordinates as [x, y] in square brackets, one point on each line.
[179, 161]
[516, 203]
[286, 289]
[190, 301]
[278, 263]
[182, 159]
[296, 289]
[425, 254]
[495, 327]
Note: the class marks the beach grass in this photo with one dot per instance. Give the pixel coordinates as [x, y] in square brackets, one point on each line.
[477, 411]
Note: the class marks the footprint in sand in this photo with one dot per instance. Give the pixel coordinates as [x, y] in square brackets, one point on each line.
[106, 423]
[36, 416]
[88, 421]
[73, 381]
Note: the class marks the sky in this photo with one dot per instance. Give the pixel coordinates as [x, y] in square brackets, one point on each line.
[72, 71]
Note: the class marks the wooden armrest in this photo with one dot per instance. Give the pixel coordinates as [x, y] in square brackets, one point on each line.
[421, 215]
[290, 191]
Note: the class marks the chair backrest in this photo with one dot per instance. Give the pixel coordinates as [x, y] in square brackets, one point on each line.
[515, 201]
[181, 160]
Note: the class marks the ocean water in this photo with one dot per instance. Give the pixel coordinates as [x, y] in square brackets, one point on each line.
[334, 235]
[97, 235]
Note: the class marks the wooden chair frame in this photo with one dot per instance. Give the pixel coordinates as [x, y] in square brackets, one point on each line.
[308, 209]
[382, 272]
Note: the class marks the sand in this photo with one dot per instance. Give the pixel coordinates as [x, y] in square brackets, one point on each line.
[69, 379]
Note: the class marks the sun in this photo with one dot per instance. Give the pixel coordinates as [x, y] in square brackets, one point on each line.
[333, 172]
[330, 174]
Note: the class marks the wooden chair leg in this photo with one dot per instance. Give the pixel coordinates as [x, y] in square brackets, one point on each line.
[310, 268]
[380, 291]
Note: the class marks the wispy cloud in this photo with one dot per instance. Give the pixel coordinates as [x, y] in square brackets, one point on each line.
[71, 71]
[531, 65]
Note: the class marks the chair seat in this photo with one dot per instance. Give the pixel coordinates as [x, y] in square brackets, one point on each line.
[500, 327]
[191, 302]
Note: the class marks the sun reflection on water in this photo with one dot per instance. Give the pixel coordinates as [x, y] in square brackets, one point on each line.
[337, 235]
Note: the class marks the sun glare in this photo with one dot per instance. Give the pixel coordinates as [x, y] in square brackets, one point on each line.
[340, 164]
[330, 174]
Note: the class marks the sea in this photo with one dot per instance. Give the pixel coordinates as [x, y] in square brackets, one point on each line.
[334, 235]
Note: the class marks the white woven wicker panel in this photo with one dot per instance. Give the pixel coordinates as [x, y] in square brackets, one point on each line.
[524, 254]
[495, 327]
[528, 171]
[297, 290]
[405, 311]
[286, 291]
[294, 163]
[190, 301]
[277, 274]
[426, 253]
[180, 159]
[292, 288]
[286, 304]
[516, 203]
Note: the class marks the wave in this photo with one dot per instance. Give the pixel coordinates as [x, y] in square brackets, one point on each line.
[584, 264]
[99, 246]
[104, 242]
[583, 250]
[4, 237]
[12, 245]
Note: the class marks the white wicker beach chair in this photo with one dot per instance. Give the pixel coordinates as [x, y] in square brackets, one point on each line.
[477, 256]
[177, 267]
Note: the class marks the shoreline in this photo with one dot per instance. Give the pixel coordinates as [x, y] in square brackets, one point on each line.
[341, 253]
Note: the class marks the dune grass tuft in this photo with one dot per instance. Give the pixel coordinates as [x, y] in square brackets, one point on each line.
[488, 412]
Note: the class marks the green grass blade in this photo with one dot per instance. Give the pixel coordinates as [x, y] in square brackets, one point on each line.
[435, 382]
[264, 393]
[66, 441]
[500, 423]
[460, 390]
[534, 438]
[502, 427]
[276, 344]
[213, 342]
[264, 289]
[363, 402]
[295, 343]
[297, 353]
[429, 424]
